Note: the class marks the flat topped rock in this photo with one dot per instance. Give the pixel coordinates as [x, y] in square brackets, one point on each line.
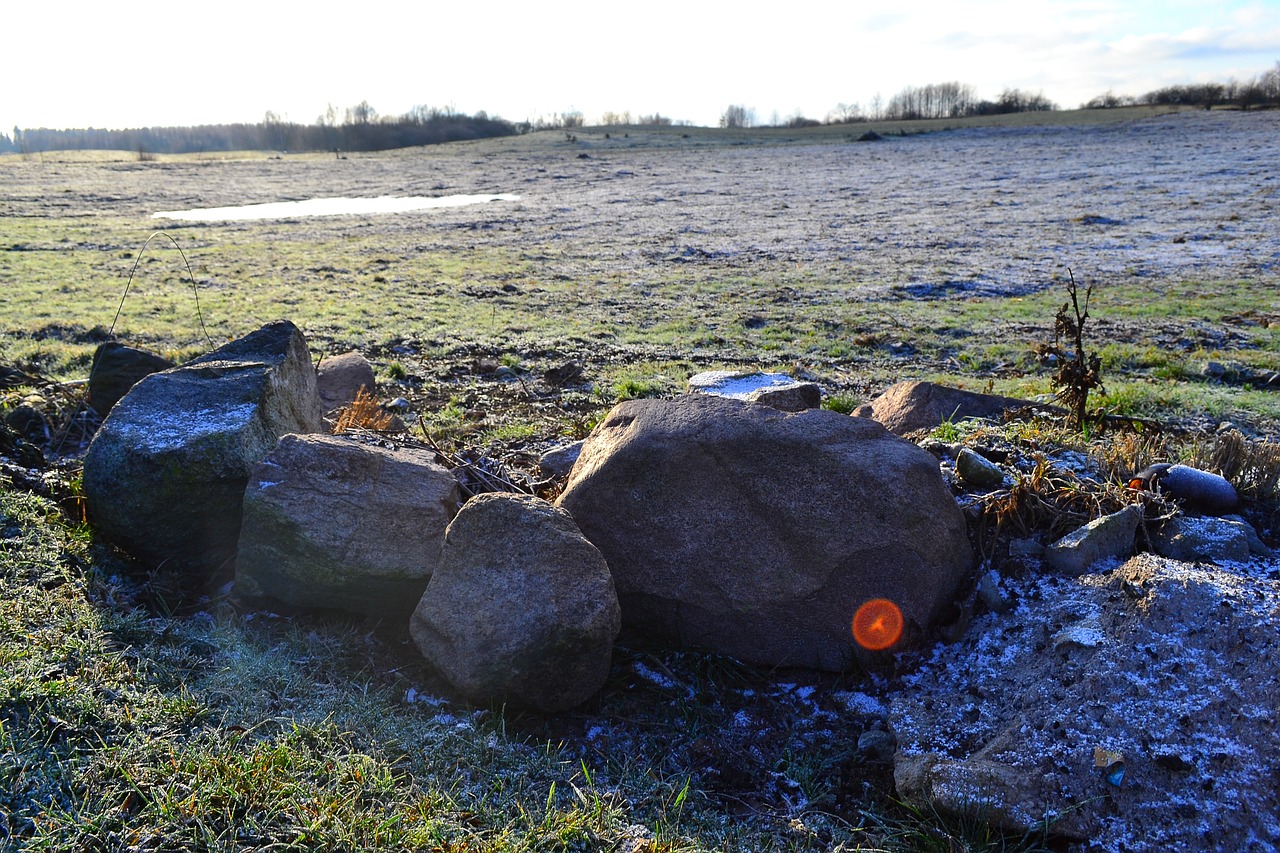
[772, 389]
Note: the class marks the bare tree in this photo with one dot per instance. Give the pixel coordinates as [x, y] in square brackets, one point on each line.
[361, 113]
[936, 100]
[1109, 100]
[845, 113]
[1270, 84]
[736, 115]
[275, 131]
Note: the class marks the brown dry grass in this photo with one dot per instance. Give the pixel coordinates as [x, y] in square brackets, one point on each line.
[364, 413]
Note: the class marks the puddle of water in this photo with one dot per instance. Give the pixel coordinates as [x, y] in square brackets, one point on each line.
[329, 207]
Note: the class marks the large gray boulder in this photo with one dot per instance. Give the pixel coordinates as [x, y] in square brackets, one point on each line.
[912, 405]
[758, 534]
[166, 473]
[331, 522]
[521, 609]
[1135, 709]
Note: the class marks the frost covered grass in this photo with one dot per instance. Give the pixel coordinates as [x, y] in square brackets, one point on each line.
[137, 716]
[855, 263]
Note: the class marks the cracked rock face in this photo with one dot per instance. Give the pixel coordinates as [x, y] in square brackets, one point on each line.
[1168, 668]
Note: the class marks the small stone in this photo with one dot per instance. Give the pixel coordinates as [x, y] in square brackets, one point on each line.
[340, 378]
[28, 422]
[117, 368]
[989, 593]
[558, 462]
[938, 448]
[1215, 540]
[876, 745]
[565, 374]
[12, 377]
[1213, 370]
[977, 470]
[1025, 548]
[1257, 547]
[1107, 537]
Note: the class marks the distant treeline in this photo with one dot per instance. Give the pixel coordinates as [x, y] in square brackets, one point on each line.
[1262, 90]
[936, 100]
[361, 129]
[955, 100]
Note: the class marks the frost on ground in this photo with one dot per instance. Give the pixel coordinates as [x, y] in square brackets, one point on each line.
[1172, 665]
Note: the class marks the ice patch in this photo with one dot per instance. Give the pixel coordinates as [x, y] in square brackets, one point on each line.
[329, 207]
[860, 703]
[413, 697]
[652, 676]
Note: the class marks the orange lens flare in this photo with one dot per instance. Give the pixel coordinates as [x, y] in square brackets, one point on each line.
[878, 624]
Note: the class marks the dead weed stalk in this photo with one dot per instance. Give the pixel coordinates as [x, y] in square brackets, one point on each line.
[1045, 500]
[364, 413]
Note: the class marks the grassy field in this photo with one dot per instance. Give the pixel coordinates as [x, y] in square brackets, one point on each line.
[653, 253]
[139, 715]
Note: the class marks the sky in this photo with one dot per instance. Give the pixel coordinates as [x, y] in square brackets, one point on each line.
[112, 64]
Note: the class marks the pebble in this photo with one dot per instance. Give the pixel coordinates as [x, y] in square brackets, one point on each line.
[978, 471]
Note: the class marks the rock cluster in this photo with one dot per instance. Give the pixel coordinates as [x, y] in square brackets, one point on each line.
[703, 521]
[1107, 701]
